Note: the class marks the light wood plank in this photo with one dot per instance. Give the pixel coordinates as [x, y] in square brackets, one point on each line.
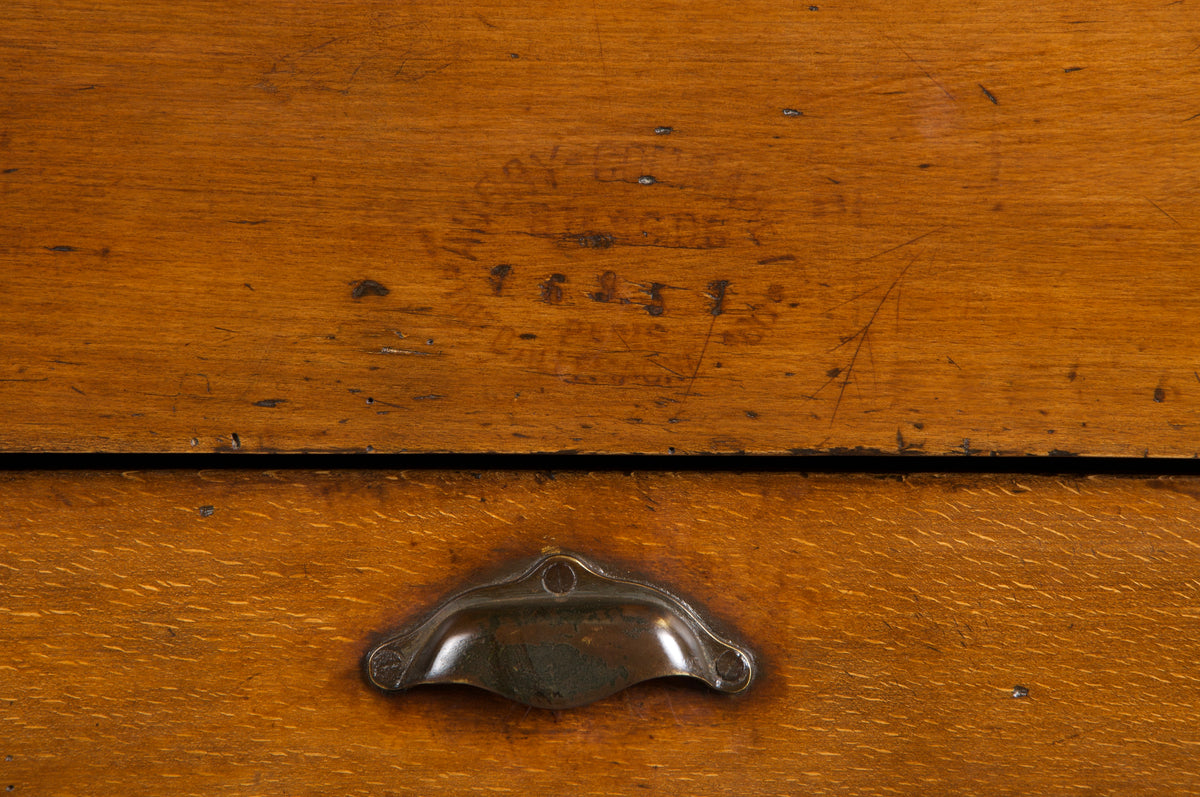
[201, 634]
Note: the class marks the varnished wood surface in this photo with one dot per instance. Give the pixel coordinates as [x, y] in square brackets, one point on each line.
[920, 226]
[201, 634]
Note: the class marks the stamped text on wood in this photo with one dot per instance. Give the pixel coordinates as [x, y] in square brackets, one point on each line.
[923, 226]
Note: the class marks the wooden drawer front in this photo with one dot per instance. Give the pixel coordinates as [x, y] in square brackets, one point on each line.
[917, 226]
[200, 633]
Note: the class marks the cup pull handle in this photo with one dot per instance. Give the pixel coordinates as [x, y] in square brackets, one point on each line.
[561, 634]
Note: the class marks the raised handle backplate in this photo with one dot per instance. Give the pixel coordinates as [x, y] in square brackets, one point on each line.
[563, 633]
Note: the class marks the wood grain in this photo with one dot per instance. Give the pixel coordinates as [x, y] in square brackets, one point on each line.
[490, 225]
[201, 633]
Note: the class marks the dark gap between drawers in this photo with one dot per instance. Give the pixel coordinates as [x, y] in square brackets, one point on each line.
[866, 463]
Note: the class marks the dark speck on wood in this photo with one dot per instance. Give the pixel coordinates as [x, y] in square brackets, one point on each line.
[1160, 395]
[60, 249]
[595, 240]
[656, 306]
[497, 276]
[716, 292]
[608, 288]
[988, 94]
[363, 288]
[552, 292]
[270, 402]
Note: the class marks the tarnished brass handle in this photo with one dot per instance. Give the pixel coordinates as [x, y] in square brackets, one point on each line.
[561, 634]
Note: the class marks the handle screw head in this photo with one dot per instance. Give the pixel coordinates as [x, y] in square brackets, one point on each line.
[559, 578]
[732, 667]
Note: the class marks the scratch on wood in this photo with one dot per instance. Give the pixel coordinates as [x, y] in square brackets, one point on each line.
[390, 350]
[695, 371]
[1159, 208]
[461, 253]
[887, 251]
[651, 356]
[915, 63]
[862, 336]
[909, 242]
[603, 62]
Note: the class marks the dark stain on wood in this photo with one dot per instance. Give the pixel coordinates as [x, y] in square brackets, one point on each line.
[361, 288]
[552, 292]
[496, 276]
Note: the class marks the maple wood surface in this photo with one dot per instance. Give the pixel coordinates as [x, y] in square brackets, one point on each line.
[488, 225]
[176, 633]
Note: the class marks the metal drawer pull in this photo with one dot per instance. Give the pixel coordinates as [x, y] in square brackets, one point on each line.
[561, 634]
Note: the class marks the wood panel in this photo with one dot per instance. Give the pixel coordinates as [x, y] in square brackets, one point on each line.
[489, 225]
[201, 634]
